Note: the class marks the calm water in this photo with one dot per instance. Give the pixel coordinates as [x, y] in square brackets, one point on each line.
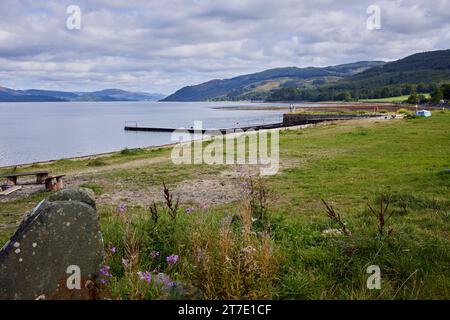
[32, 132]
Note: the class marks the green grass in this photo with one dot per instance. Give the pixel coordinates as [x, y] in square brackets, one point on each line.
[98, 189]
[393, 99]
[349, 164]
[75, 165]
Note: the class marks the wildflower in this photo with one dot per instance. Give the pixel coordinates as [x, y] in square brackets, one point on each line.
[189, 210]
[164, 280]
[172, 259]
[154, 254]
[125, 262]
[122, 208]
[205, 206]
[169, 283]
[105, 271]
[113, 250]
[146, 276]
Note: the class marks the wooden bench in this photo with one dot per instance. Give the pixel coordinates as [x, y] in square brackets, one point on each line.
[10, 190]
[54, 183]
[12, 177]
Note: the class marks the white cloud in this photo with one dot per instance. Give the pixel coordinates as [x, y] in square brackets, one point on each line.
[162, 45]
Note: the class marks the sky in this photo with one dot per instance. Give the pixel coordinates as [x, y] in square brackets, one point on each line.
[163, 45]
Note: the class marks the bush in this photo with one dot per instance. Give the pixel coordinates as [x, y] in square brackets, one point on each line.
[97, 162]
[131, 152]
[403, 111]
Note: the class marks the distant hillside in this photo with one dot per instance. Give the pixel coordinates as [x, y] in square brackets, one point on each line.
[258, 85]
[421, 72]
[35, 95]
[420, 67]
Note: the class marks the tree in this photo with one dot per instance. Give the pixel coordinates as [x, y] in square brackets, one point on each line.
[445, 88]
[413, 98]
[345, 96]
[408, 89]
[422, 99]
[385, 92]
[437, 95]
[421, 87]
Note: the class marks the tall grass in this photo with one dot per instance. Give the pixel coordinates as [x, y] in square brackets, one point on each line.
[218, 255]
[203, 253]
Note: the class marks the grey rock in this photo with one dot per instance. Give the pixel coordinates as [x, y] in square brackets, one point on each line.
[82, 195]
[61, 231]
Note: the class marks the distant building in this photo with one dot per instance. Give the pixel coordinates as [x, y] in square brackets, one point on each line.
[423, 113]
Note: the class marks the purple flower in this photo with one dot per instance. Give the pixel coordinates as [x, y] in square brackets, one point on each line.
[122, 208]
[113, 250]
[104, 271]
[172, 259]
[125, 262]
[205, 206]
[146, 276]
[170, 284]
[166, 281]
[189, 210]
[154, 254]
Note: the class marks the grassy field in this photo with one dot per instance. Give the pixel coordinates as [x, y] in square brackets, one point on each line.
[393, 99]
[278, 240]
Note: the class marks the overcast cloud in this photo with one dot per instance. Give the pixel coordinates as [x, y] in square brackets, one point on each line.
[162, 45]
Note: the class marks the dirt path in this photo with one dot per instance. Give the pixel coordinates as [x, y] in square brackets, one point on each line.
[209, 189]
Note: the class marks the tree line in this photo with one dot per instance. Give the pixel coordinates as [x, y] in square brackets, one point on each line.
[416, 93]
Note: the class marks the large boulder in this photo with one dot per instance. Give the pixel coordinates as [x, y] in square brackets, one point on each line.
[56, 252]
[83, 195]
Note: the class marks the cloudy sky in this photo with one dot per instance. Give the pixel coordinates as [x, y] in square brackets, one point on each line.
[162, 45]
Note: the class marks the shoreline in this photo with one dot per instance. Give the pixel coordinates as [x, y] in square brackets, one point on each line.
[147, 148]
[85, 157]
[327, 107]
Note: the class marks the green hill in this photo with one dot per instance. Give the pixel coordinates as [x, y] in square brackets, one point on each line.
[259, 85]
[420, 72]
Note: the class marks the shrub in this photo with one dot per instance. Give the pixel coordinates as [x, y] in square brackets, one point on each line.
[403, 111]
[131, 152]
[97, 162]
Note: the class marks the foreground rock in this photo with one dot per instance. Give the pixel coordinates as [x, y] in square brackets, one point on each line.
[56, 252]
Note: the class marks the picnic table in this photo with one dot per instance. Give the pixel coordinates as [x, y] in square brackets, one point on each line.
[12, 177]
